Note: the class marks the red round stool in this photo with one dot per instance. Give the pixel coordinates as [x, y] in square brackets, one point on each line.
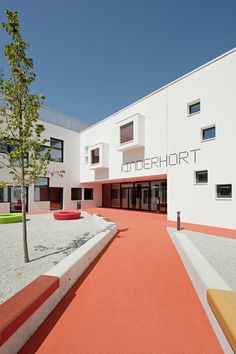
[66, 215]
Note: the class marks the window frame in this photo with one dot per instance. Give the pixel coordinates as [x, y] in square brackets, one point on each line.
[193, 103]
[80, 192]
[85, 198]
[93, 156]
[8, 195]
[47, 188]
[213, 126]
[57, 149]
[125, 125]
[195, 177]
[224, 197]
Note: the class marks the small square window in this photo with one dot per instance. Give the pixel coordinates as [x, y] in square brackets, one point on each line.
[224, 190]
[127, 132]
[76, 193]
[209, 133]
[194, 107]
[88, 193]
[95, 156]
[201, 177]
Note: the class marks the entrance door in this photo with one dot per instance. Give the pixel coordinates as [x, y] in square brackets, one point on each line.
[15, 199]
[56, 198]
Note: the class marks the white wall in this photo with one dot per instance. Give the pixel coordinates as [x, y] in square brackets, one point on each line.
[215, 85]
[168, 129]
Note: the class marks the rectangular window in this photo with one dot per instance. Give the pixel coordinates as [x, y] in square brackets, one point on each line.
[209, 133]
[76, 193]
[201, 177]
[127, 132]
[224, 190]
[56, 150]
[194, 108]
[95, 156]
[4, 195]
[88, 193]
[41, 190]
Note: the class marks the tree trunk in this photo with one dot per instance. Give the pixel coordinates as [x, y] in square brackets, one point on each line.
[25, 245]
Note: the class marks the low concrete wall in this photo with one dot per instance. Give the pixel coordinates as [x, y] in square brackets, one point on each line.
[68, 271]
[203, 277]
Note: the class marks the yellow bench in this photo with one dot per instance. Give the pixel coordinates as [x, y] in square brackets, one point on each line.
[223, 305]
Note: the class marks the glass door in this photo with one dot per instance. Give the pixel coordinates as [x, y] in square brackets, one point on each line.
[15, 199]
[56, 198]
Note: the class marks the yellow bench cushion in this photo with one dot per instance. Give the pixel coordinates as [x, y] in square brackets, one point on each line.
[223, 305]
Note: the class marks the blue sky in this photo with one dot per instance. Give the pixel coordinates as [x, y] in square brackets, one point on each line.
[93, 57]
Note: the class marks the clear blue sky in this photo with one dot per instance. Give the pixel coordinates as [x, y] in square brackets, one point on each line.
[94, 57]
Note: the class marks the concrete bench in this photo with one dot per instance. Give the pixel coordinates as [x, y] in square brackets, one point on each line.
[223, 305]
[15, 311]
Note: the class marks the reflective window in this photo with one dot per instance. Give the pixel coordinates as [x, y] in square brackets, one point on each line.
[56, 150]
[88, 193]
[127, 132]
[194, 108]
[4, 195]
[95, 156]
[76, 193]
[224, 190]
[41, 190]
[209, 133]
[201, 177]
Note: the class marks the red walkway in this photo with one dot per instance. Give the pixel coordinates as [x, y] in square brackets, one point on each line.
[136, 298]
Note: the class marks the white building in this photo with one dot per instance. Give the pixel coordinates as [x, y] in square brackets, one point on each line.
[173, 150]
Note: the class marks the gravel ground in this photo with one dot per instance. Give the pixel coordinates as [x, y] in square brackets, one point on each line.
[49, 242]
[220, 253]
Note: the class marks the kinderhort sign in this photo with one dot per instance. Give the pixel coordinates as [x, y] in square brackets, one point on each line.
[174, 159]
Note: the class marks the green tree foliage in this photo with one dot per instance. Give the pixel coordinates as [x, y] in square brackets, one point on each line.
[21, 139]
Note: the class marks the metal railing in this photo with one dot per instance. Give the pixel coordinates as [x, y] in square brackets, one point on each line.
[62, 120]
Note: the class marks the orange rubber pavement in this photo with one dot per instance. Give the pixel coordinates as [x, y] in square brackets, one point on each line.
[136, 298]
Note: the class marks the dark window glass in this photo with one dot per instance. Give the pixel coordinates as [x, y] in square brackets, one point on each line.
[4, 195]
[95, 156]
[56, 150]
[106, 193]
[208, 133]
[88, 193]
[201, 176]
[194, 108]
[41, 190]
[224, 190]
[76, 193]
[127, 132]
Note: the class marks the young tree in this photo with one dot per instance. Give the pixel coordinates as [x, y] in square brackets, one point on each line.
[21, 151]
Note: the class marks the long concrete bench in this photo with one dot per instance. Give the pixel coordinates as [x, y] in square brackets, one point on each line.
[223, 305]
[15, 311]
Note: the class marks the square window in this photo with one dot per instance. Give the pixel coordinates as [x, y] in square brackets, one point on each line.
[127, 132]
[76, 193]
[201, 177]
[88, 193]
[95, 156]
[224, 190]
[208, 133]
[194, 107]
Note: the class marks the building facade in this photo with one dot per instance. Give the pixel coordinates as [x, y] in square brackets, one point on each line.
[174, 150]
